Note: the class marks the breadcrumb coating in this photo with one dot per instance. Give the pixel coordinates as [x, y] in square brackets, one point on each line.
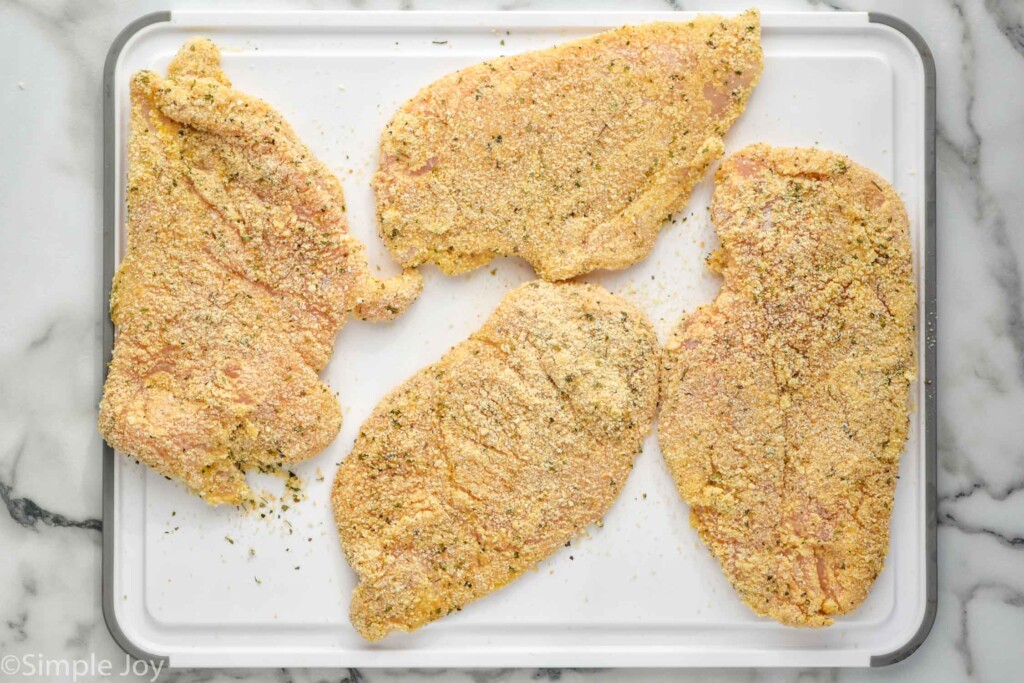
[785, 402]
[490, 460]
[238, 274]
[571, 157]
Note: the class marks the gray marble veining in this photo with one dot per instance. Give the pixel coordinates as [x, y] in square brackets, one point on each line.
[51, 57]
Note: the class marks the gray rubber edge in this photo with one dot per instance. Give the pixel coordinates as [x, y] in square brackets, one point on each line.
[930, 345]
[109, 205]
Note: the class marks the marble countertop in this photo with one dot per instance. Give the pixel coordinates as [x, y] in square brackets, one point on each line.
[51, 59]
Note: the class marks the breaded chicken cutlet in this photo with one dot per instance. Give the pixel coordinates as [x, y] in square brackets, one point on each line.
[238, 273]
[490, 460]
[572, 157]
[785, 402]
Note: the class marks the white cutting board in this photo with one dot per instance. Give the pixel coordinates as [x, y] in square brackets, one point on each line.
[642, 590]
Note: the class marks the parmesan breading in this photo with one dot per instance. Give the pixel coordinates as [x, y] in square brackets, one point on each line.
[490, 460]
[572, 157]
[238, 273]
[785, 402]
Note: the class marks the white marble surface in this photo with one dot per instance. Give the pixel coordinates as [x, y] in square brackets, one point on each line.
[51, 57]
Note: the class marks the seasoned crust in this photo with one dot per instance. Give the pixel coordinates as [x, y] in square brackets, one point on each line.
[571, 157]
[488, 461]
[239, 272]
[785, 402]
